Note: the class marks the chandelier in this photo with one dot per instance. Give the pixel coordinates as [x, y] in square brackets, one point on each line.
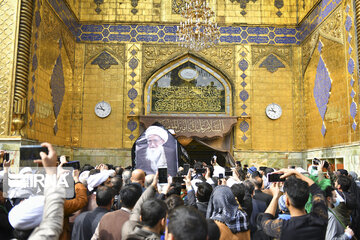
[198, 31]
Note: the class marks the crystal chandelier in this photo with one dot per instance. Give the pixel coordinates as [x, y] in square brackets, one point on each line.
[198, 31]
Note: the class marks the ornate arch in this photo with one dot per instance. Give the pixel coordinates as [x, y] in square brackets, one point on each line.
[218, 82]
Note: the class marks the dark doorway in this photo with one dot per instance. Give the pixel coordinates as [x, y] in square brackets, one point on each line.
[202, 153]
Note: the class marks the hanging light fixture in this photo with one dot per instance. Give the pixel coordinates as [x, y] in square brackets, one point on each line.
[198, 31]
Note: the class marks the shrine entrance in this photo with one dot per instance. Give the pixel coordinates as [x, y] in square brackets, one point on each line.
[195, 100]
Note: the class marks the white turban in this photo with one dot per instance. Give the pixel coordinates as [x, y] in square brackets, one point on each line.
[28, 213]
[97, 179]
[155, 130]
[84, 176]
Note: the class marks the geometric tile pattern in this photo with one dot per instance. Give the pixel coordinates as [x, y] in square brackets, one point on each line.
[322, 88]
[167, 33]
[351, 69]
[272, 63]
[244, 95]
[57, 85]
[104, 61]
[132, 93]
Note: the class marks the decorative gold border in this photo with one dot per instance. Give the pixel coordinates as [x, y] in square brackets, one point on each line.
[22, 64]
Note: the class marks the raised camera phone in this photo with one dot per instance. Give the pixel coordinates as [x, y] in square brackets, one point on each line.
[162, 175]
[186, 168]
[73, 164]
[221, 176]
[275, 177]
[6, 156]
[31, 152]
[228, 173]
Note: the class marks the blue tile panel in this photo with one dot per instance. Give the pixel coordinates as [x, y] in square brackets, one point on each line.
[351, 69]
[317, 16]
[322, 88]
[66, 16]
[161, 33]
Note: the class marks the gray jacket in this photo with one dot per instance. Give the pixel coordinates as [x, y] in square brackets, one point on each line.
[134, 220]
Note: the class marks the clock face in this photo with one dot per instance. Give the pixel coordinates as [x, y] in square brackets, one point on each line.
[273, 111]
[102, 109]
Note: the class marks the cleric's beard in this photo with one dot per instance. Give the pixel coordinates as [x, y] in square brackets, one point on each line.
[154, 154]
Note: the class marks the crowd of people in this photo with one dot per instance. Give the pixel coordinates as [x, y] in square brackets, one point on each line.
[203, 203]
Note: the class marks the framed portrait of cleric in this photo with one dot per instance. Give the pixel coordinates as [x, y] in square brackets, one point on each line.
[156, 148]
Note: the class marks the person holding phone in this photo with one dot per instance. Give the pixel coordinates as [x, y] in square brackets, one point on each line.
[301, 225]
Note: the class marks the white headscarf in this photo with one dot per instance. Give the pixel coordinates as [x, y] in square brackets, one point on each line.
[28, 213]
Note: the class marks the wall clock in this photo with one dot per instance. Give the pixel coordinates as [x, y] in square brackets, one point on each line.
[273, 111]
[102, 109]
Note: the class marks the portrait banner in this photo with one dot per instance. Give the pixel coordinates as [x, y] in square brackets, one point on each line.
[156, 148]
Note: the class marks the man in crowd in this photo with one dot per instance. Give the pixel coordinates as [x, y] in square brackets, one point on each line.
[186, 223]
[153, 220]
[301, 225]
[86, 223]
[107, 228]
[335, 228]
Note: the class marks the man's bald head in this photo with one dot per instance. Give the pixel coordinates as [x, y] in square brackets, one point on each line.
[138, 176]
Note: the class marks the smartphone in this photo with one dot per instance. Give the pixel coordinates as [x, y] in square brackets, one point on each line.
[238, 163]
[275, 177]
[186, 168]
[162, 175]
[200, 170]
[228, 173]
[73, 164]
[221, 176]
[32, 152]
[6, 156]
[326, 164]
[246, 166]
[178, 180]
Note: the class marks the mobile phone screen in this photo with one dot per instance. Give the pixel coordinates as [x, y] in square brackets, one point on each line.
[275, 177]
[228, 173]
[73, 164]
[162, 175]
[31, 152]
[221, 176]
[6, 156]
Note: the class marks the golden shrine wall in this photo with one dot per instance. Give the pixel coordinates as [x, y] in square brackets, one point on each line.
[266, 12]
[330, 86]
[50, 78]
[9, 17]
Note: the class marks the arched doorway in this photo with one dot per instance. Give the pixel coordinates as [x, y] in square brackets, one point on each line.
[194, 99]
